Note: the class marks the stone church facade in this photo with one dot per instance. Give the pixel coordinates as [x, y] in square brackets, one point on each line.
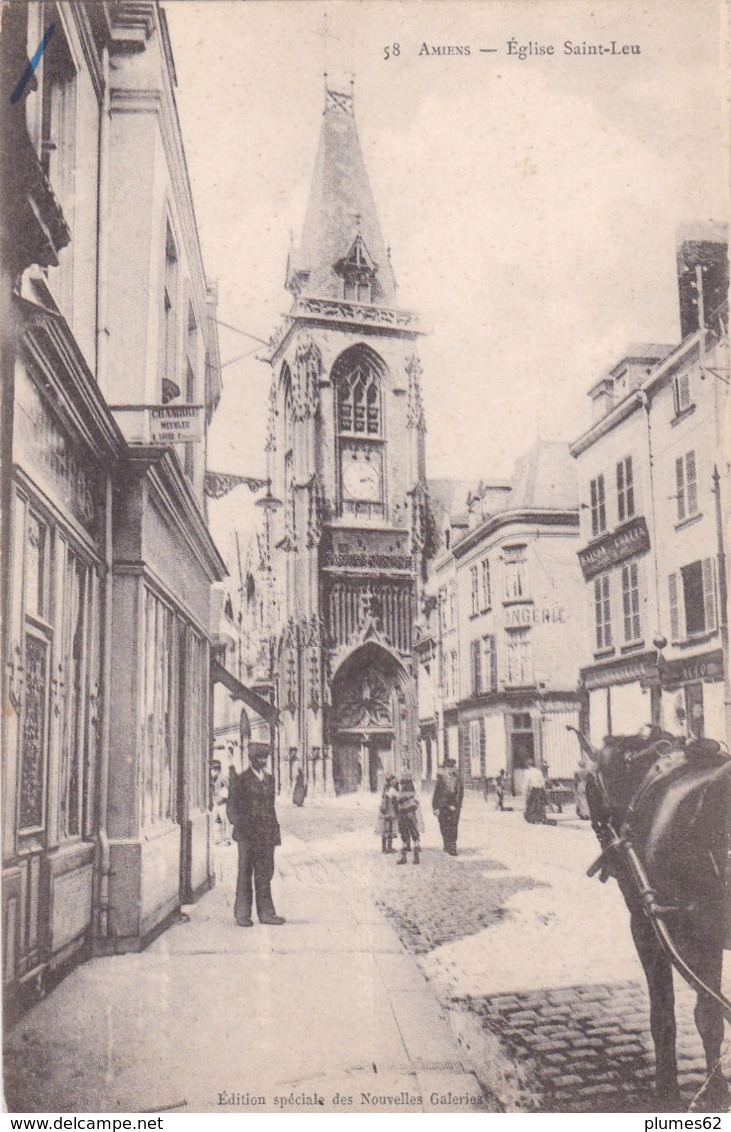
[346, 457]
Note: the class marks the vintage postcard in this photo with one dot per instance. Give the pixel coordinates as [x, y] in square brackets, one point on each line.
[364, 506]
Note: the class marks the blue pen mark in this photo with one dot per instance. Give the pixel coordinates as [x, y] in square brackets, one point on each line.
[30, 69]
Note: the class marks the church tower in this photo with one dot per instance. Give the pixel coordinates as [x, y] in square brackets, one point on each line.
[346, 457]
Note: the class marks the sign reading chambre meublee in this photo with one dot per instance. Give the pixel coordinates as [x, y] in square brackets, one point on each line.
[630, 539]
[175, 424]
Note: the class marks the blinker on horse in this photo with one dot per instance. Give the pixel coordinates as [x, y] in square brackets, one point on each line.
[661, 809]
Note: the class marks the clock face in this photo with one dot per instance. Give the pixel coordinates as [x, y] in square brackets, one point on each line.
[361, 481]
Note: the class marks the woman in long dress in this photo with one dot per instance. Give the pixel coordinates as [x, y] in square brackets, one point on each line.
[300, 790]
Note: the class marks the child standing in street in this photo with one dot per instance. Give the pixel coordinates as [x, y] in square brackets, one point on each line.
[410, 821]
[388, 814]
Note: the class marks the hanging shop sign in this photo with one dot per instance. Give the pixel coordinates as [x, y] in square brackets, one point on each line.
[628, 540]
[176, 424]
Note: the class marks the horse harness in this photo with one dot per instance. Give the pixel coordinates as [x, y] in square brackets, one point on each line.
[669, 761]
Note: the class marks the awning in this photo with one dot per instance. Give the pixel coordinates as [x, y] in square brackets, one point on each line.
[221, 675]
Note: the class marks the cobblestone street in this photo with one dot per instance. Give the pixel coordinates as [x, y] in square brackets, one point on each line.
[534, 960]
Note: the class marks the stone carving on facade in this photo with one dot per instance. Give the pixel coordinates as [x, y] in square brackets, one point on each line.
[290, 667]
[315, 511]
[364, 702]
[313, 654]
[306, 379]
[415, 405]
[354, 312]
[271, 440]
[423, 529]
[34, 726]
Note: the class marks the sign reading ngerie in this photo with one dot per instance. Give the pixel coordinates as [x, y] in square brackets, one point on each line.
[175, 424]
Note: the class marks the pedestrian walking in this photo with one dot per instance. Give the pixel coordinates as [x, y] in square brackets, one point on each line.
[256, 830]
[219, 797]
[500, 789]
[535, 795]
[447, 804]
[388, 814]
[410, 821]
[300, 789]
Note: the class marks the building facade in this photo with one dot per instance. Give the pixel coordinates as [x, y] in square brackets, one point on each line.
[107, 560]
[654, 475]
[346, 458]
[506, 637]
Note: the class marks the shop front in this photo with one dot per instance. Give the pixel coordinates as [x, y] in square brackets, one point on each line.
[157, 818]
[64, 450]
[693, 695]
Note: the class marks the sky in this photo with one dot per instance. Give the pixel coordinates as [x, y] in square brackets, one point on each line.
[531, 205]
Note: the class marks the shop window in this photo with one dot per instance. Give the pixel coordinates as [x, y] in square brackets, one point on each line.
[625, 490]
[519, 657]
[598, 506]
[74, 768]
[486, 595]
[516, 573]
[161, 663]
[475, 752]
[602, 613]
[36, 570]
[693, 608]
[686, 485]
[631, 601]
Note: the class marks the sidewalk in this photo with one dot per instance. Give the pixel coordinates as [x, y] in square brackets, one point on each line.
[216, 1018]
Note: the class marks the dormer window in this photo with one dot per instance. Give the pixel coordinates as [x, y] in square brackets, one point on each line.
[357, 271]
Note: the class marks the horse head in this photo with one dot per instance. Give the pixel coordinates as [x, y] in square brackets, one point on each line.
[620, 767]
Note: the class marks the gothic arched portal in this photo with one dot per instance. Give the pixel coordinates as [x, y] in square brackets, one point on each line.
[371, 720]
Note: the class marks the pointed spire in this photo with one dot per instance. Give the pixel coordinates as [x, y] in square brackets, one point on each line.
[341, 213]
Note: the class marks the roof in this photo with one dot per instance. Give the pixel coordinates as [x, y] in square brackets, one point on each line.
[341, 208]
[544, 478]
[447, 502]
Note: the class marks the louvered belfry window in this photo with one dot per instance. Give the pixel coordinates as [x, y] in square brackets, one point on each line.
[359, 402]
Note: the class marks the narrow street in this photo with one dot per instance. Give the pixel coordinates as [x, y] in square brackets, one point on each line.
[501, 979]
[534, 960]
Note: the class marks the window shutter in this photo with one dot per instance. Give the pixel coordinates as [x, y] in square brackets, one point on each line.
[683, 387]
[483, 750]
[620, 491]
[493, 665]
[674, 607]
[709, 593]
[463, 760]
[691, 486]
[475, 648]
[680, 487]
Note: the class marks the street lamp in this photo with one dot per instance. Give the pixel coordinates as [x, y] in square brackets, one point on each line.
[218, 484]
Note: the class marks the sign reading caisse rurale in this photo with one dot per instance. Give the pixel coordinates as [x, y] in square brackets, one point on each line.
[175, 424]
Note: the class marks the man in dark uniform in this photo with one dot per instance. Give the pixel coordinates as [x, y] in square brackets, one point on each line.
[251, 812]
[447, 804]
